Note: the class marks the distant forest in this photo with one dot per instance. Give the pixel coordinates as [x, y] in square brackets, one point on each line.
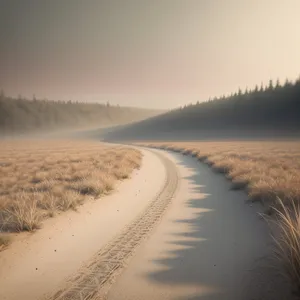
[18, 115]
[272, 108]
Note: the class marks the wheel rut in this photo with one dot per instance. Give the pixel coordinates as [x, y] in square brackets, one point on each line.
[96, 276]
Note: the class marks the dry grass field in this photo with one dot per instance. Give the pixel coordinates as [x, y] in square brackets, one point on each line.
[270, 173]
[40, 178]
[267, 170]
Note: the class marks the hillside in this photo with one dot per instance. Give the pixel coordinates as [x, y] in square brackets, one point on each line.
[23, 116]
[262, 112]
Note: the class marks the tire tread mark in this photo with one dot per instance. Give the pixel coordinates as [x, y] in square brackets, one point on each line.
[89, 279]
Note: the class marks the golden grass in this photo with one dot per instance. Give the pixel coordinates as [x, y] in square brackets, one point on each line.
[267, 170]
[40, 178]
[288, 242]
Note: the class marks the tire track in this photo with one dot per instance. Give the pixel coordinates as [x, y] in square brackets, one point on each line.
[99, 273]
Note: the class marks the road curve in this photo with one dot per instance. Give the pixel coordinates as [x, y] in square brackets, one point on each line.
[98, 274]
[36, 265]
[174, 231]
[210, 245]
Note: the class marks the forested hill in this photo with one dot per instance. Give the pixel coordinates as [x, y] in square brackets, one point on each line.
[275, 108]
[23, 116]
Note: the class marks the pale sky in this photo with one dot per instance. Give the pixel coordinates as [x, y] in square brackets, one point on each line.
[148, 53]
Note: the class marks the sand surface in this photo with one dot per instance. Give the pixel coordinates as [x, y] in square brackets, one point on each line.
[36, 264]
[175, 230]
[210, 245]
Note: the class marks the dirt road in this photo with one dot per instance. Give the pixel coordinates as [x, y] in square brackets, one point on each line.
[210, 245]
[174, 231]
[39, 263]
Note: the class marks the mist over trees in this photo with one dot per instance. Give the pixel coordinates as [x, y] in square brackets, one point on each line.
[272, 107]
[19, 115]
[275, 107]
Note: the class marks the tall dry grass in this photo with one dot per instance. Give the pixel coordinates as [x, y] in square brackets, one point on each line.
[270, 173]
[287, 242]
[40, 178]
[266, 170]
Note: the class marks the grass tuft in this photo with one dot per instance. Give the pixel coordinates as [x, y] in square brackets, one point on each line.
[22, 215]
[288, 243]
[70, 200]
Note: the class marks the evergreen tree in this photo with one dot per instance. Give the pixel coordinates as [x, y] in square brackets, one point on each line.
[270, 87]
[261, 87]
[287, 83]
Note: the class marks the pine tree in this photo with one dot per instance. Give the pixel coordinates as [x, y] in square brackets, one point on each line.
[261, 87]
[270, 87]
[287, 83]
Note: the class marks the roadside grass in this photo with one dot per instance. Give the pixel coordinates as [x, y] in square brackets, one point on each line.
[266, 170]
[38, 179]
[287, 243]
[270, 173]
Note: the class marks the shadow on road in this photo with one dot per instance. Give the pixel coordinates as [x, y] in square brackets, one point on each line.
[227, 248]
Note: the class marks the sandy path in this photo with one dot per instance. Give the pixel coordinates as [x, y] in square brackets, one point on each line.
[37, 264]
[97, 275]
[210, 245]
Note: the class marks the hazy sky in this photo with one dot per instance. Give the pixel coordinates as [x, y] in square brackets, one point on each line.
[156, 53]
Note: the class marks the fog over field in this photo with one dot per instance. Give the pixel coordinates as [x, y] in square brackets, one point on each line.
[23, 116]
[269, 112]
[149, 149]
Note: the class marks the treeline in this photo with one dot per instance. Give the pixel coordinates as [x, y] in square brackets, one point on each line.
[274, 107]
[270, 107]
[19, 115]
